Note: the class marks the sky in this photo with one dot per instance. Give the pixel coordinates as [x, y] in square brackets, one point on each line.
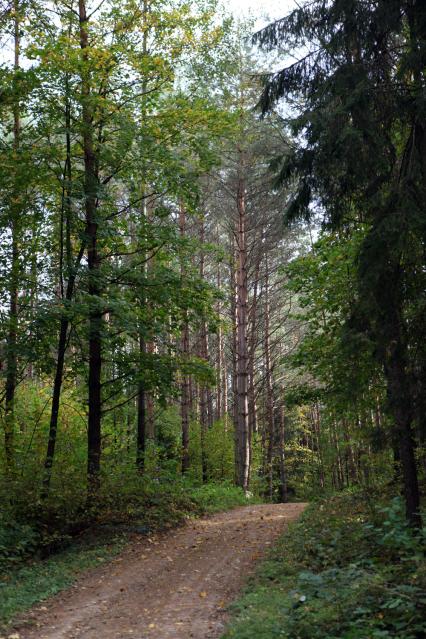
[263, 11]
[261, 8]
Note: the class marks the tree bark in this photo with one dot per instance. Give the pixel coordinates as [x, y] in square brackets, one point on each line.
[270, 411]
[281, 448]
[91, 183]
[316, 421]
[242, 425]
[11, 354]
[141, 434]
[71, 274]
[57, 385]
[205, 400]
[399, 397]
[185, 390]
[234, 389]
[252, 354]
[220, 390]
[144, 426]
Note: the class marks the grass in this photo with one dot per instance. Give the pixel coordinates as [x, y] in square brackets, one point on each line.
[25, 583]
[341, 572]
[38, 580]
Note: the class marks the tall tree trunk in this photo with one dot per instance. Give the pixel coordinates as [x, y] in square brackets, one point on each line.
[185, 390]
[281, 452]
[141, 426]
[234, 389]
[205, 404]
[270, 411]
[220, 410]
[91, 184]
[16, 212]
[242, 425]
[141, 422]
[316, 421]
[68, 294]
[150, 349]
[351, 470]
[339, 466]
[225, 393]
[57, 385]
[400, 402]
[394, 357]
[252, 354]
[149, 400]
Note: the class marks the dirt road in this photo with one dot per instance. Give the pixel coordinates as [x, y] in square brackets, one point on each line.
[173, 585]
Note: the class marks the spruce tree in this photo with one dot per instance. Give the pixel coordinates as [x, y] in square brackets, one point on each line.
[361, 87]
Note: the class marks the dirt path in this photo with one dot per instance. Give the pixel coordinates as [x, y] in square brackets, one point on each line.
[173, 585]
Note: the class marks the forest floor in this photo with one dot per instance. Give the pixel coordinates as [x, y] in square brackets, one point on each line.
[168, 585]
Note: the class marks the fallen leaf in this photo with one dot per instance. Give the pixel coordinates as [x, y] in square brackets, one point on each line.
[203, 594]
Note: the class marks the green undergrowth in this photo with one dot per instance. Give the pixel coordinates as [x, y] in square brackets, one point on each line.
[343, 571]
[37, 580]
[38, 560]
[212, 498]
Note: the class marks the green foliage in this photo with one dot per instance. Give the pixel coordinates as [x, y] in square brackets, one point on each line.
[144, 506]
[17, 542]
[337, 395]
[340, 572]
[359, 91]
[212, 498]
[341, 361]
[158, 498]
[219, 451]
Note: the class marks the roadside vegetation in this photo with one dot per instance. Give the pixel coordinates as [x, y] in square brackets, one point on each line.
[32, 569]
[213, 284]
[350, 568]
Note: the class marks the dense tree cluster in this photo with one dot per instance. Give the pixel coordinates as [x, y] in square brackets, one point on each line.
[360, 91]
[160, 319]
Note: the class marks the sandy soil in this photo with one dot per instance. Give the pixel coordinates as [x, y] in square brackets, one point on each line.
[172, 585]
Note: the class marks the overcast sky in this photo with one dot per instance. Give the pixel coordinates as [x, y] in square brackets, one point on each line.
[261, 8]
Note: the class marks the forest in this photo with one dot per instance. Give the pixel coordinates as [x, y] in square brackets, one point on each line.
[213, 295]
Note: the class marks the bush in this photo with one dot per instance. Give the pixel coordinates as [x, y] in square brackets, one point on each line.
[212, 498]
[17, 542]
[339, 572]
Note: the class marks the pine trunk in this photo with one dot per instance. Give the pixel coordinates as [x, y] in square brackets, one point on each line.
[270, 412]
[185, 387]
[242, 425]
